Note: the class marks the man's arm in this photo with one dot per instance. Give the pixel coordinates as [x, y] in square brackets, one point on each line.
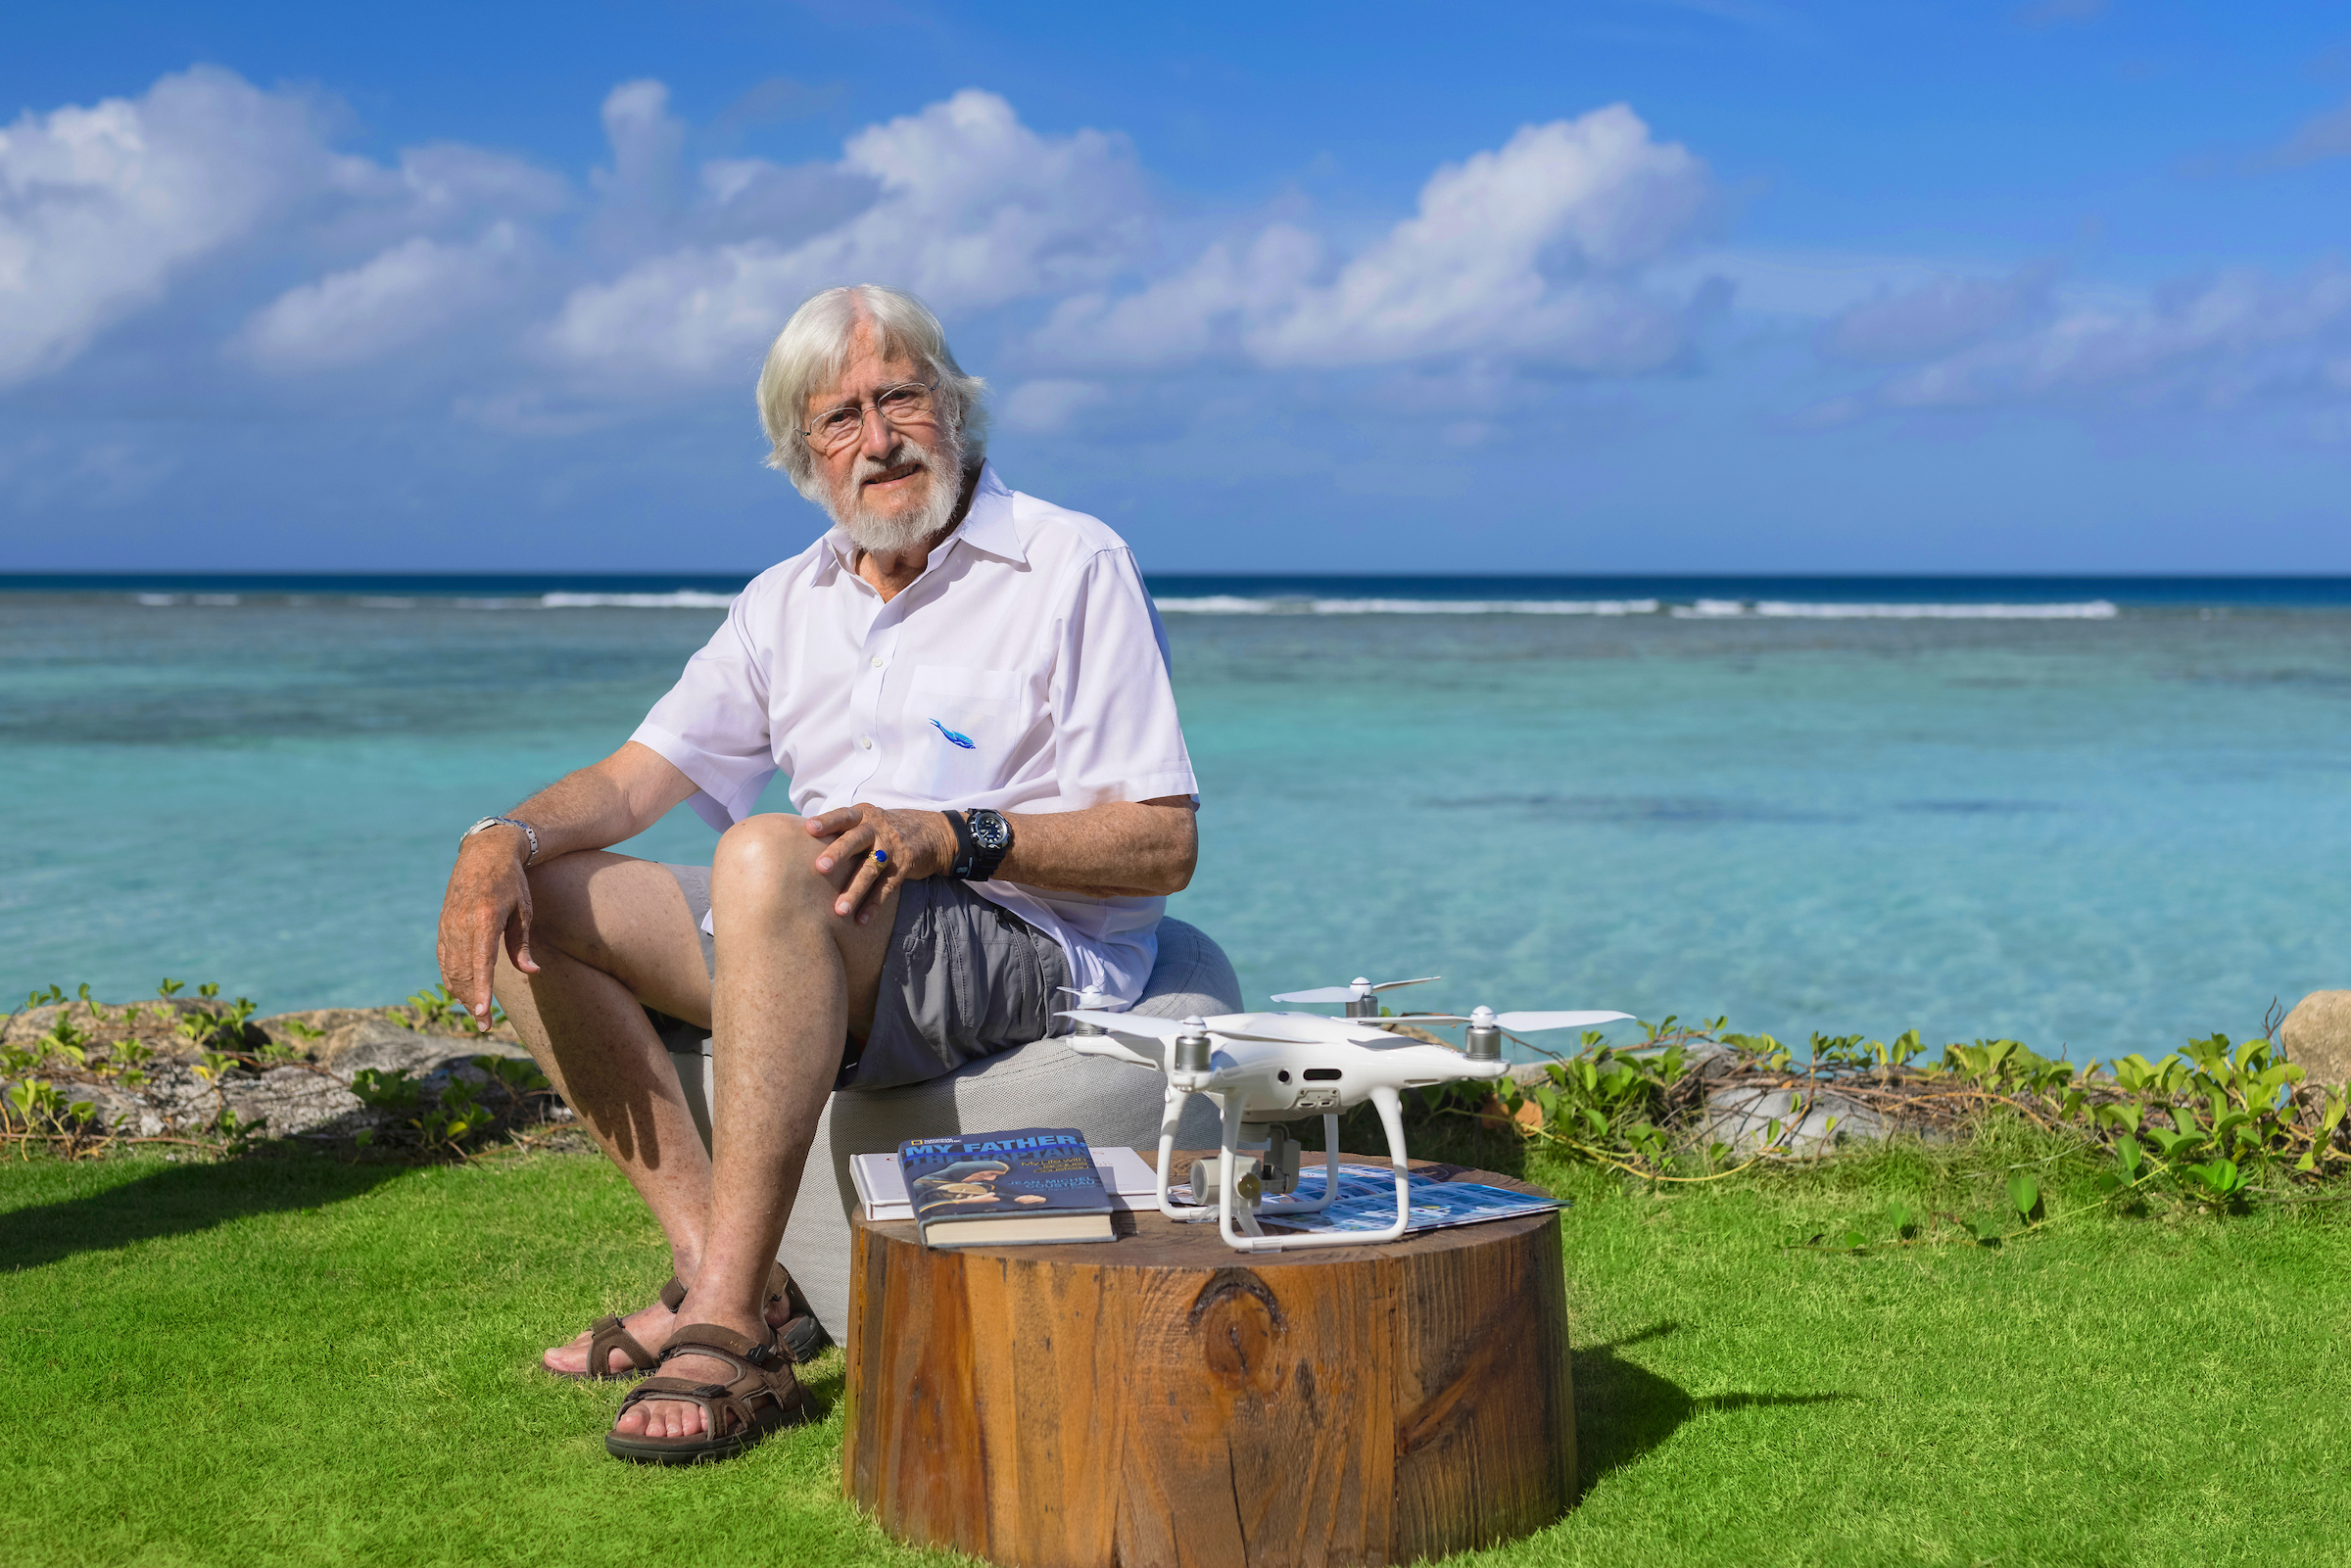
[1119, 849]
[488, 896]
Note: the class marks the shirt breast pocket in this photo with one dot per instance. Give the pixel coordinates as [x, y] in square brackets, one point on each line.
[959, 726]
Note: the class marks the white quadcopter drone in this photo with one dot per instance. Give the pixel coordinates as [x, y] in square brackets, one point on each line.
[1264, 1069]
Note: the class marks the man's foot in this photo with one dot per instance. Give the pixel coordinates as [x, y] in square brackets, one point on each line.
[751, 1393]
[651, 1416]
[651, 1327]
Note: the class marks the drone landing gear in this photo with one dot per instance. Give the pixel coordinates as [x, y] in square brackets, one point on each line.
[1256, 1171]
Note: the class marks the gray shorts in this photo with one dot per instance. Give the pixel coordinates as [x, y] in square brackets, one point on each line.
[964, 979]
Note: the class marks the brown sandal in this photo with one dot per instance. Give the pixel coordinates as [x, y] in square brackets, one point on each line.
[606, 1335]
[802, 1336]
[763, 1395]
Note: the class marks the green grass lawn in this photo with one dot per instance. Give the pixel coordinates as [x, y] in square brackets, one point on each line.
[293, 1360]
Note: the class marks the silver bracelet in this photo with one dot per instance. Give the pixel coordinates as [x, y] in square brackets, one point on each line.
[528, 831]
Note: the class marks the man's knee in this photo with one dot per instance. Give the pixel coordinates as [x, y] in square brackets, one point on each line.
[768, 863]
[562, 909]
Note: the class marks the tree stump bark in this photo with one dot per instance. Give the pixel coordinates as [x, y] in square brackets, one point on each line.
[1163, 1400]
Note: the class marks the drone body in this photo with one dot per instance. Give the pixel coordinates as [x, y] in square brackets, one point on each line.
[1266, 1069]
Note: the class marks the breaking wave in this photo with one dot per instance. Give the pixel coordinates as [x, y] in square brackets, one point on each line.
[684, 599]
[1234, 604]
[1701, 609]
[2088, 610]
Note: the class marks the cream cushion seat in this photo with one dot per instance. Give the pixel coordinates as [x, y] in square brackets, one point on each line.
[1045, 1084]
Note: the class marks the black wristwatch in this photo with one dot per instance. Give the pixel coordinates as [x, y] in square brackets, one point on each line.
[983, 838]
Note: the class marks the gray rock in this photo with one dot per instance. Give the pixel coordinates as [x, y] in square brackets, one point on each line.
[2317, 1036]
[379, 1043]
[1742, 1117]
[294, 1099]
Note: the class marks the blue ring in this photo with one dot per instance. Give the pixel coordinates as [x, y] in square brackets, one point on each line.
[881, 857]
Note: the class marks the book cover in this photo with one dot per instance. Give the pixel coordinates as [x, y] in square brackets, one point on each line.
[881, 1191]
[1031, 1184]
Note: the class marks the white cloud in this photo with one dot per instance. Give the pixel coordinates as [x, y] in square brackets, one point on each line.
[2216, 343]
[405, 293]
[1936, 317]
[451, 182]
[1535, 251]
[1047, 405]
[972, 210]
[2325, 135]
[100, 207]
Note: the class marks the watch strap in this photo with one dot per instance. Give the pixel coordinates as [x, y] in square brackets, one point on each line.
[528, 831]
[967, 848]
[972, 863]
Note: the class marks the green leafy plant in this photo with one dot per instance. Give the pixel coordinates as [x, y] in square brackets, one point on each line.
[438, 1009]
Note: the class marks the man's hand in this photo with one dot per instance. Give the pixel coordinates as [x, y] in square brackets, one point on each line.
[489, 898]
[916, 845]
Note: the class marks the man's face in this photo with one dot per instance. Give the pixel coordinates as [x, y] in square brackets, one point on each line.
[897, 484]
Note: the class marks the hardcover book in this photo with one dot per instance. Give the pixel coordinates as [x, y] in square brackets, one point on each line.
[882, 1186]
[1005, 1189]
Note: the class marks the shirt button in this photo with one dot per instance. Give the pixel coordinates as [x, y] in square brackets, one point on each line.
[877, 661]
[866, 741]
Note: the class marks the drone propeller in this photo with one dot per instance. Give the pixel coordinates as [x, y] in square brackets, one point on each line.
[1356, 992]
[1169, 1029]
[1437, 1019]
[1537, 1023]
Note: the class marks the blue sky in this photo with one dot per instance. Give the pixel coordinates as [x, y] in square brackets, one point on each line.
[1629, 286]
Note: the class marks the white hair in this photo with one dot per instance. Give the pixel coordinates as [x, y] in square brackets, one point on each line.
[813, 349]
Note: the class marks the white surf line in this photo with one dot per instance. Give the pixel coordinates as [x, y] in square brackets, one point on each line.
[1234, 604]
[1701, 609]
[2090, 610]
[684, 599]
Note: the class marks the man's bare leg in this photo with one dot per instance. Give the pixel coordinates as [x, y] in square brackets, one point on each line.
[793, 979]
[610, 932]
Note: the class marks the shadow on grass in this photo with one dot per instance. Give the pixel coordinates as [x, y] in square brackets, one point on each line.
[177, 1200]
[1623, 1409]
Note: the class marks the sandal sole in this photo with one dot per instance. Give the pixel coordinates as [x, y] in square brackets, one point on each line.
[655, 1450]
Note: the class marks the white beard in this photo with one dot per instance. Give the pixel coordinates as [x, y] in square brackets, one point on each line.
[879, 534]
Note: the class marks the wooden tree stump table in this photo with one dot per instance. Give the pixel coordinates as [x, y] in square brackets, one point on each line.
[1161, 1398]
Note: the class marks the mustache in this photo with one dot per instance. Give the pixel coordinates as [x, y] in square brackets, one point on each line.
[906, 451]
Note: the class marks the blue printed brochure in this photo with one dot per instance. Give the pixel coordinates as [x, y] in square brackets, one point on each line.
[1005, 1189]
[1367, 1201]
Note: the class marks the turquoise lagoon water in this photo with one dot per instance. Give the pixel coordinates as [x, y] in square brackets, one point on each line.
[2099, 827]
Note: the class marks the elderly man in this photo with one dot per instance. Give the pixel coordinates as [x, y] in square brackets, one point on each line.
[967, 689]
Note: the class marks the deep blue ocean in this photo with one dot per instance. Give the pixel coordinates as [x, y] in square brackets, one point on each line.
[2099, 815]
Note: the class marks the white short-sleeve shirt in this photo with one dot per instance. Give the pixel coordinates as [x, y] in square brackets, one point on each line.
[1025, 670]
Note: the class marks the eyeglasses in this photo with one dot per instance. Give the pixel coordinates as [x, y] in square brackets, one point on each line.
[906, 404]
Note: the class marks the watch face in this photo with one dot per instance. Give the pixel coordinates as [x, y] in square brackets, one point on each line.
[989, 830]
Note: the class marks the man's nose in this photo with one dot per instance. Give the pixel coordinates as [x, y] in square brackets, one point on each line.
[877, 436]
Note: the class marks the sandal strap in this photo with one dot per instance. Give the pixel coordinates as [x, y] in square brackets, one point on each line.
[763, 1379]
[724, 1411]
[746, 1355]
[779, 1288]
[609, 1334]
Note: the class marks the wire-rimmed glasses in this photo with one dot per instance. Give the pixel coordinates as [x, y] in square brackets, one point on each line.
[907, 404]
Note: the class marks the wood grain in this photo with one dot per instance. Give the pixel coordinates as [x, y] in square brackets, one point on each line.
[1162, 1399]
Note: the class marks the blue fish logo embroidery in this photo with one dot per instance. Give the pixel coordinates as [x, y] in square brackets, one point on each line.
[963, 740]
